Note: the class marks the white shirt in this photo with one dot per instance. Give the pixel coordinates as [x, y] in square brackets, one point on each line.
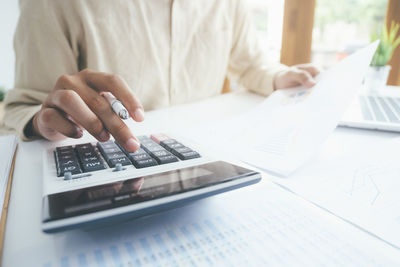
[169, 51]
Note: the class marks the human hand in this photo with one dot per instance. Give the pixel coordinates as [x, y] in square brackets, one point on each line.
[76, 102]
[302, 74]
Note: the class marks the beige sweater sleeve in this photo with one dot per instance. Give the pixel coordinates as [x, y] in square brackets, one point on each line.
[43, 53]
[248, 64]
[60, 37]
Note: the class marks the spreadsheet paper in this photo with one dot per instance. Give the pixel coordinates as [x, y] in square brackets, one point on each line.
[283, 132]
[259, 225]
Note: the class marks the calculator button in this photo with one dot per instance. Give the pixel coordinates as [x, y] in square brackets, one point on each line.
[68, 166]
[166, 159]
[84, 147]
[123, 160]
[66, 157]
[163, 157]
[143, 138]
[173, 146]
[154, 149]
[140, 157]
[160, 153]
[90, 159]
[164, 143]
[67, 176]
[149, 144]
[114, 155]
[93, 166]
[64, 148]
[188, 155]
[64, 163]
[137, 152]
[111, 150]
[87, 154]
[158, 138]
[106, 145]
[65, 153]
[74, 169]
[185, 153]
[182, 149]
[144, 163]
[118, 167]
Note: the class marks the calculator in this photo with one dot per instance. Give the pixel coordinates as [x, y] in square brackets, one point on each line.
[96, 183]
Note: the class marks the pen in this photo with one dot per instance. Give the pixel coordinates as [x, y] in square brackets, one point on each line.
[116, 106]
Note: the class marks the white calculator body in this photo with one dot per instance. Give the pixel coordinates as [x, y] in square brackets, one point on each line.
[96, 183]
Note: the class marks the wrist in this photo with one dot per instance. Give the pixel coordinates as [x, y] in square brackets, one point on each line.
[276, 81]
[31, 129]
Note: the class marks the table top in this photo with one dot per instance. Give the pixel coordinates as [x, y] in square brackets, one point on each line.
[23, 229]
[24, 216]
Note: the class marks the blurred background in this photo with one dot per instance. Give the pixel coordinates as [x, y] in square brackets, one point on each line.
[8, 21]
[338, 28]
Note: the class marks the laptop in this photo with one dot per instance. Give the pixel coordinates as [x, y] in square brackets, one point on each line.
[374, 111]
[96, 183]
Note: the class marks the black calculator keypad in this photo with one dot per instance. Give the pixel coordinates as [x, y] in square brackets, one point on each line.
[153, 151]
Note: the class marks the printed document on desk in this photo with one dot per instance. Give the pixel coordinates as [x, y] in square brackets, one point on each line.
[284, 131]
[259, 226]
[357, 178]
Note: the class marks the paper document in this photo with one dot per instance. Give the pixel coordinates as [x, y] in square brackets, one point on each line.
[357, 179]
[286, 129]
[271, 227]
[8, 145]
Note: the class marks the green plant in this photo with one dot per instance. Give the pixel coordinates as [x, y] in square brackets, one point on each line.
[2, 93]
[388, 44]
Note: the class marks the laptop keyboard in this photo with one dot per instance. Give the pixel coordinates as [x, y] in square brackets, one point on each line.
[155, 150]
[382, 109]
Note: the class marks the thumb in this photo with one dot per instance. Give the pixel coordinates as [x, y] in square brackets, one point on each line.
[304, 78]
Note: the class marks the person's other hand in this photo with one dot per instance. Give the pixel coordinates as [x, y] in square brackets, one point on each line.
[76, 103]
[302, 74]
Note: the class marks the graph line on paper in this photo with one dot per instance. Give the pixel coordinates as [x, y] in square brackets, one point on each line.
[296, 97]
[277, 144]
[370, 183]
[363, 180]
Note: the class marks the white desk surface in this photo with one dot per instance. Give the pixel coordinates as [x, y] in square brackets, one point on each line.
[23, 228]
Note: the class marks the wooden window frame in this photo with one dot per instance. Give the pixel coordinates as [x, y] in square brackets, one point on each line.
[393, 14]
[298, 24]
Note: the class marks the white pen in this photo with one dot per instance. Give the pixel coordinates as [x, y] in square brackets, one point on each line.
[116, 106]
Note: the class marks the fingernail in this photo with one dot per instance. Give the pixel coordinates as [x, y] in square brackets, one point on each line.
[79, 133]
[311, 82]
[132, 145]
[103, 135]
[139, 114]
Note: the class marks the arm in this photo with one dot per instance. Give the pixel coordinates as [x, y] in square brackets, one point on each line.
[52, 98]
[42, 55]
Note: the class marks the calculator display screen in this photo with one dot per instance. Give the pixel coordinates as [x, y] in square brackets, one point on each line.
[137, 190]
